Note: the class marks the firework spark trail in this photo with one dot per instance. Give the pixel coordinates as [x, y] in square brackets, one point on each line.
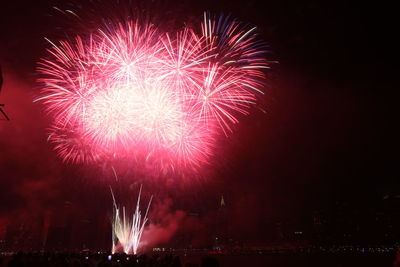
[127, 233]
[129, 89]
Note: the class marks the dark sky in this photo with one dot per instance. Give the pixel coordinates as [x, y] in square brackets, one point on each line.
[328, 134]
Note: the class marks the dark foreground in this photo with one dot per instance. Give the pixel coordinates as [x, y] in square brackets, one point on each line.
[201, 260]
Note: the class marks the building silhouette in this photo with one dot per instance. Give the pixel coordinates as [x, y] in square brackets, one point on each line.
[221, 237]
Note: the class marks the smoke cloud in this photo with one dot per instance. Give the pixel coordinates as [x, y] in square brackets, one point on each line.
[164, 224]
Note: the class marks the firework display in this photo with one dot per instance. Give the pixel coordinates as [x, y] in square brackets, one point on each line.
[129, 90]
[126, 233]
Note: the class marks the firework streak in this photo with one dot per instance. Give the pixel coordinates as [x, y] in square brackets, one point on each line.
[126, 234]
[130, 90]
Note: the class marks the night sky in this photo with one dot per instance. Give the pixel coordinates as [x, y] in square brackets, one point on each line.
[328, 135]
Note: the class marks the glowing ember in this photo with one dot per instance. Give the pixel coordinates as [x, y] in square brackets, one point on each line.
[129, 90]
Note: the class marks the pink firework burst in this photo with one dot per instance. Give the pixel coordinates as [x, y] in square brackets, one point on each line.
[129, 90]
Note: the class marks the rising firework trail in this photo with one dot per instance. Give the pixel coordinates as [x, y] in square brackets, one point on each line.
[160, 99]
[126, 232]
